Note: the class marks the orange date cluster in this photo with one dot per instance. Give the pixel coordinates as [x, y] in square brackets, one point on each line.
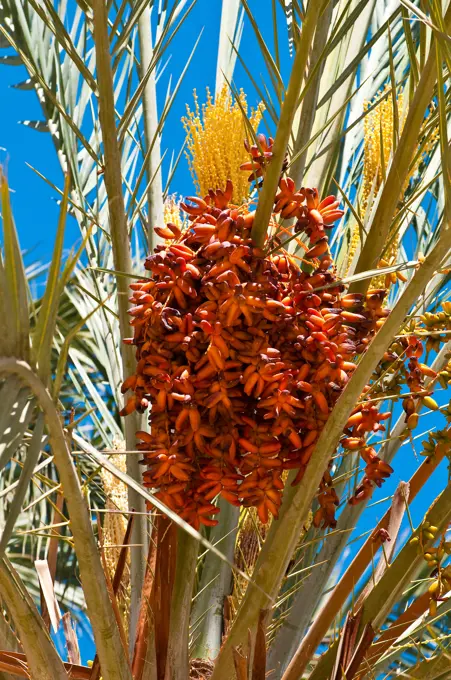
[241, 356]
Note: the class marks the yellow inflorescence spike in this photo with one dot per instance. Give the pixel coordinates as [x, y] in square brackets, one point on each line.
[378, 146]
[115, 523]
[215, 138]
[378, 128]
[114, 527]
[172, 212]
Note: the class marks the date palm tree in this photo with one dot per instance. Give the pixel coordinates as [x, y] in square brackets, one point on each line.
[353, 99]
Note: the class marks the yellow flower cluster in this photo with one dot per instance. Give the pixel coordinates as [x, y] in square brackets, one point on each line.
[171, 211]
[215, 137]
[378, 129]
[115, 523]
[114, 528]
[378, 145]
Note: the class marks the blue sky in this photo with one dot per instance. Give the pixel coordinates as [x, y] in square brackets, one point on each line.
[33, 201]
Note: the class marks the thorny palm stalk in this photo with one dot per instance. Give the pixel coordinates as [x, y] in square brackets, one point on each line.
[405, 206]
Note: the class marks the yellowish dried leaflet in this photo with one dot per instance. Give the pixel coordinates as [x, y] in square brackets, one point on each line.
[115, 525]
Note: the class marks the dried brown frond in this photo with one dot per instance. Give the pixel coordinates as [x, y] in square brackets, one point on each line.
[200, 669]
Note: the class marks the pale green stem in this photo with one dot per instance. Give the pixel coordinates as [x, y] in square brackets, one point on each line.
[122, 262]
[155, 214]
[322, 163]
[177, 665]
[284, 128]
[215, 585]
[226, 54]
[306, 115]
[44, 662]
[284, 533]
[111, 653]
[9, 642]
[150, 670]
[15, 506]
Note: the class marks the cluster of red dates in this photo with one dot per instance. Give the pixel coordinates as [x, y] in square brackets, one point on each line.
[242, 355]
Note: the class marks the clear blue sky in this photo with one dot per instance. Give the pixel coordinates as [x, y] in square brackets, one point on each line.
[34, 203]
